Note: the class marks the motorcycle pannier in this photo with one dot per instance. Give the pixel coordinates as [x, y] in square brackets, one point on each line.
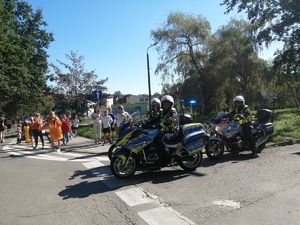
[195, 141]
[269, 128]
[264, 115]
[185, 119]
[190, 128]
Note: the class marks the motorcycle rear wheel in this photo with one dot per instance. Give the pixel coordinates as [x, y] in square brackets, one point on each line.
[123, 171]
[214, 150]
[190, 163]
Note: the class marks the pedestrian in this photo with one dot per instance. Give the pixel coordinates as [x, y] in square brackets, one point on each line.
[19, 134]
[112, 124]
[75, 125]
[8, 124]
[106, 121]
[70, 133]
[29, 123]
[96, 116]
[2, 128]
[54, 126]
[36, 130]
[66, 128]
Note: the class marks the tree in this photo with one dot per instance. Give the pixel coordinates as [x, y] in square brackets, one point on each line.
[23, 58]
[183, 42]
[75, 85]
[287, 67]
[275, 19]
[235, 58]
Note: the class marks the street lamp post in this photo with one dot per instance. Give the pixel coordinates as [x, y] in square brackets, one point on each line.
[149, 84]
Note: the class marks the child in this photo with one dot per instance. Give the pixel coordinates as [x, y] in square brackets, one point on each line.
[106, 121]
[19, 134]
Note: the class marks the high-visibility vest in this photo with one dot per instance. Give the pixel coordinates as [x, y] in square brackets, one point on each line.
[241, 111]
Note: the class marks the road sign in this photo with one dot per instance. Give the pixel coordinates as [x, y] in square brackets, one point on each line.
[97, 94]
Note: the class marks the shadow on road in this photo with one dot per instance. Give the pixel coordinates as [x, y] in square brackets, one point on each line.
[228, 157]
[86, 188]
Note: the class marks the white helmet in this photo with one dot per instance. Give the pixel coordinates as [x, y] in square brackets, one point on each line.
[167, 98]
[239, 98]
[155, 100]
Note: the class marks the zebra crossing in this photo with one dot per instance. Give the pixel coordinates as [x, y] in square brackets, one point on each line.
[158, 213]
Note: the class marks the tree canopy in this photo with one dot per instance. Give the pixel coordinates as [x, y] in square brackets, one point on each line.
[23, 58]
[209, 68]
[275, 19]
[74, 85]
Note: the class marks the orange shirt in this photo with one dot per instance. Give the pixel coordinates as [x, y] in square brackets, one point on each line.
[36, 124]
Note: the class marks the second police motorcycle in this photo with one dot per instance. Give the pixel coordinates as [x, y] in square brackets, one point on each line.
[227, 134]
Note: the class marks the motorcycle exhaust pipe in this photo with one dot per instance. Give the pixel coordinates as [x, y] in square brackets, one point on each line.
[261, 141]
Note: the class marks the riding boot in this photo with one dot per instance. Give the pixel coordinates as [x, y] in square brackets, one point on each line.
[253, 149]
[252, 146]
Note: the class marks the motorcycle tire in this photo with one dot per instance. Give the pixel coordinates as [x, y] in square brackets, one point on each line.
[112, 150]
[126, 170]
[190, 163]
[214, 150]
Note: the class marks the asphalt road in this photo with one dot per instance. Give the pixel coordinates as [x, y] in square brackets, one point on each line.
[76, 187]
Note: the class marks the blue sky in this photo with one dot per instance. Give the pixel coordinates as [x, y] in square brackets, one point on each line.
[113, 35]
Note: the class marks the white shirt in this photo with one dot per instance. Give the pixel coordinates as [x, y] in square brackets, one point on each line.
[119, 119]
[96, 117]
[106, 120]
[75, 122]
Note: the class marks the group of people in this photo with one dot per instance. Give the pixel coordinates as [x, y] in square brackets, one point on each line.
[106, 123]
[60, 129]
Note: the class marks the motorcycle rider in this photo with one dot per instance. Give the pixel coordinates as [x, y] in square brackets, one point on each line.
[156, 111]
[243, 111]
[167, 122]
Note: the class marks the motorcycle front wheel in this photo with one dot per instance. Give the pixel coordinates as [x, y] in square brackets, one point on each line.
[112, 150]
[214, 150]
[190, 163]
[123, 171]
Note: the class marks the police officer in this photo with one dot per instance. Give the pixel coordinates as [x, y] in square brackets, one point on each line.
[243, 112]
[156, 112]
[167, 123]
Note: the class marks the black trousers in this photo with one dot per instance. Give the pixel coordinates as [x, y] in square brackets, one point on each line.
[36, 134]
[248, 134]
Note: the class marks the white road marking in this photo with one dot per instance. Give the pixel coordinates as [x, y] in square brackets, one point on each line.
[229, 203]
[93, 164]
[26, 151]
[135, 196]
[164, 215]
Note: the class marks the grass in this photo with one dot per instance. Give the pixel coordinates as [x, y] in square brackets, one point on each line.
[286, 123]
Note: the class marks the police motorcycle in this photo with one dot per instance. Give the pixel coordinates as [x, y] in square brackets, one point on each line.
[214, 121]
[135, 123]
[139, 150]
[228, 135]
